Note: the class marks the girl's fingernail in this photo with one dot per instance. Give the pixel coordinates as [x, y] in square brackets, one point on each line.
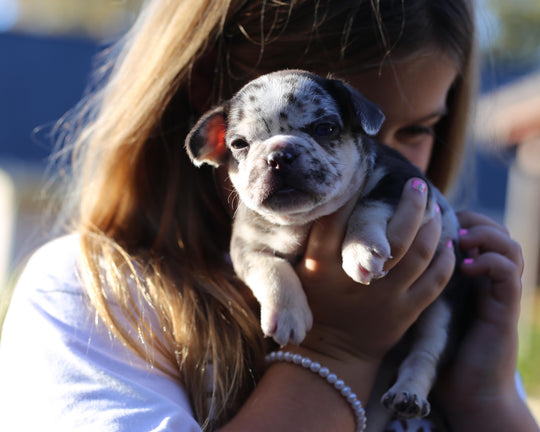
[468, 260]
[419, 185]
[463, 231]
[437, 208]
[450, 244]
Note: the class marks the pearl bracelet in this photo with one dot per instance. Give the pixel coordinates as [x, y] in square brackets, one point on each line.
[332, 379]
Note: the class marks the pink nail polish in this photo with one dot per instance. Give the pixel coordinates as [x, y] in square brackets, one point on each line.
[450, 244]
[462, 231]
[468, 260]
[419, 185]
[437, 208]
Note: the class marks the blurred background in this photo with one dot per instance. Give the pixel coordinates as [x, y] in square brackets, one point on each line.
[48, 48]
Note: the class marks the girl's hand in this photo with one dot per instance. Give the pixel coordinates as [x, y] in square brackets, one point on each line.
[480, 386]
[367, 320]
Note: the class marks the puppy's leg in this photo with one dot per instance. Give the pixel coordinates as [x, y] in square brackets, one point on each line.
[377, 416]
[285, 313]
[366, 248]
[408, 396]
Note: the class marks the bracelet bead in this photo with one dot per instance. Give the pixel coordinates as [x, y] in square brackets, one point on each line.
[331, 378]
[323, 372]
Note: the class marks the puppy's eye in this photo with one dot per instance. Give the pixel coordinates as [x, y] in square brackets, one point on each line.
[239, 144]
[325, 129]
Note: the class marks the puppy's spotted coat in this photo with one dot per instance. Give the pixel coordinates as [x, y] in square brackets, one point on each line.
[297, 147]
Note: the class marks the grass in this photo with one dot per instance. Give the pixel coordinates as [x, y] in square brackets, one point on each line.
[529, 358]
[529, 365]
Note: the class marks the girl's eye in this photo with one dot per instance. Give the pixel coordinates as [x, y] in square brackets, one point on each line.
[239, 144]
[415, 130]
[325, 129]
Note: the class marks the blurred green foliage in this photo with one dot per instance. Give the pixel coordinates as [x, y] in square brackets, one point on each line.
[95, 18]
[517, 34]
[529, 358]
[528, 365]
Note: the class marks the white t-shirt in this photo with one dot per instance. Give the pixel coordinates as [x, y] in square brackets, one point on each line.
[61, 371]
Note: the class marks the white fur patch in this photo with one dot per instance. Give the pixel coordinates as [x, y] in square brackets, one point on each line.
[366, 247]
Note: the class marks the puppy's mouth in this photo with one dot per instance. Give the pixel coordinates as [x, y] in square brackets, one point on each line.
[285, 192]
[281, 195]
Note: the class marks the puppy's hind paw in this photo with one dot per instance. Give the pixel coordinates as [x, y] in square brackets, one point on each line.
[406, 405]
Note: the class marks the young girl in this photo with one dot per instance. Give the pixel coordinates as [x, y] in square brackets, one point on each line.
[135, 321]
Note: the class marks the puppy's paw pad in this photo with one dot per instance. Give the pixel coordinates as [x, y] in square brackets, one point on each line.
[406, 405]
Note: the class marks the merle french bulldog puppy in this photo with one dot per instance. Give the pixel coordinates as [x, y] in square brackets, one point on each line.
[297, 147]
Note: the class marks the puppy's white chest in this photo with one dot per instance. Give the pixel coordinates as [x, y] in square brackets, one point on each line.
[286, 241]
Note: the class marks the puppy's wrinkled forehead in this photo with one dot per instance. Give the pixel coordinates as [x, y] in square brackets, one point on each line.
[281, 101]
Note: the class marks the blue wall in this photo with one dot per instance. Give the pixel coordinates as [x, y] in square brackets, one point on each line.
[40, 79]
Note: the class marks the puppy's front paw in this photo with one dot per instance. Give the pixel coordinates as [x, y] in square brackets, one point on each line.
[287, 324]
[405, 404]
[363, 262]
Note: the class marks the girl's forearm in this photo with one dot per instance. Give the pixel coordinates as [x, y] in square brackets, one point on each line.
[291, 398]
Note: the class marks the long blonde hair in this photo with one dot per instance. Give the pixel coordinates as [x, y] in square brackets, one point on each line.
[154, 232]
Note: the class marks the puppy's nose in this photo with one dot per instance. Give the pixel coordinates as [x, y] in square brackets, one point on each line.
[280, 159]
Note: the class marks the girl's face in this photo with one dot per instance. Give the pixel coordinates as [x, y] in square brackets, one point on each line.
[412, 94]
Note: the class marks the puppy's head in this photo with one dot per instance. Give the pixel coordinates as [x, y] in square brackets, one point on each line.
[292, 143]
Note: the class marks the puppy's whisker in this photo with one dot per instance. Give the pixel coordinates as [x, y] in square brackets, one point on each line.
[232, 198]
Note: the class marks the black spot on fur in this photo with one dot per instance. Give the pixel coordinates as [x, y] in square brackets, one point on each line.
[268, 125]
[319, 112]
[291, 81]
[291, 98]
[283, 115]
[240, 114]
[318, 175]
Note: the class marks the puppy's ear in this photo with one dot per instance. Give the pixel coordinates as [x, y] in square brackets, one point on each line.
[360, 109]
[205, 142]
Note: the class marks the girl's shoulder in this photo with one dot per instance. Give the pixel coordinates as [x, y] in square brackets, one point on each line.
[49, 282]
[59, 359]
[52, 266]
